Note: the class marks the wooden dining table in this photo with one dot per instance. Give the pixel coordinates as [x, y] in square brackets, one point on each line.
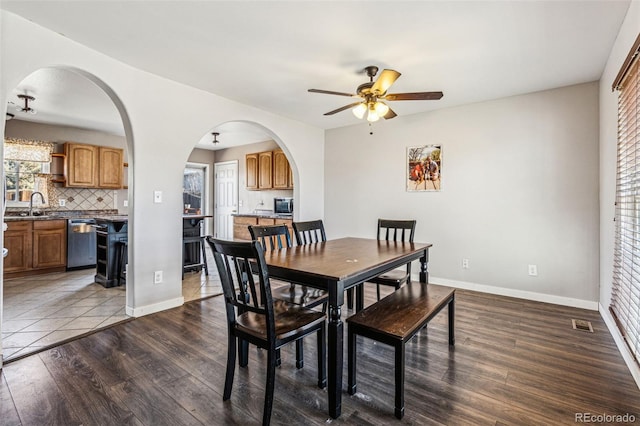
[335, 266]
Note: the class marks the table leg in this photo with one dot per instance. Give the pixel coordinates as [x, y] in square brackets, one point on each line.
[335, 337]
[452, 307]
[424, 261]
[359, 297]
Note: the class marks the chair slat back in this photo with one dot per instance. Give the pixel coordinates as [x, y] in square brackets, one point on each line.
[271, 237]
[237, 263]
[396, 230]
[309, 232]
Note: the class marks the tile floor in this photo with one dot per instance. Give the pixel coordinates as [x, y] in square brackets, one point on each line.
[46, 309]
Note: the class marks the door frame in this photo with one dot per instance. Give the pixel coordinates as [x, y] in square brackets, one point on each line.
[236, 183]
[206, 191]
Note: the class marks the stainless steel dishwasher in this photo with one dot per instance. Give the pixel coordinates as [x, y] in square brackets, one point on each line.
[81, 243]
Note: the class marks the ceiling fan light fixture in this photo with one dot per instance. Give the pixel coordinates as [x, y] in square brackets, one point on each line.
[372, 116]
[381, 108]
[359, 110]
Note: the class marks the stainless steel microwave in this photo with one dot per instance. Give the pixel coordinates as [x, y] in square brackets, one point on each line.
[283, 205]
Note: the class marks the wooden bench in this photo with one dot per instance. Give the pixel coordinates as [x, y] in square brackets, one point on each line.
[394, 321]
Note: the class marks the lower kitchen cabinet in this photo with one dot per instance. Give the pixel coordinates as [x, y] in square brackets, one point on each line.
[18, 239]
[35, 247]
[49, 243]
[241, 223]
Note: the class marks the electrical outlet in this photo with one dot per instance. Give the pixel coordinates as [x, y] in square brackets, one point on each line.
[62, 202]
[465, 263]
[157, 277]
[533, 270]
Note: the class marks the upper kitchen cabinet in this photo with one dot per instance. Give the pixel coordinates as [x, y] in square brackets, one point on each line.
[265, 170]
[281, 171]
[252, 171]
[268, 170]
[82, 165]
[111, 167]
[90, 166]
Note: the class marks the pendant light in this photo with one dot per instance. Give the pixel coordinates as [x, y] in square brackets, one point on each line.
[26, 109]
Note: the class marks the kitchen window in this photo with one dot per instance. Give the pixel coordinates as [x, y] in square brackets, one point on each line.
[26, 170]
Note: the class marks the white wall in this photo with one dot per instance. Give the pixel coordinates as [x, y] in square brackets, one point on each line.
[519, 187]
[608, 146]
[160, 137]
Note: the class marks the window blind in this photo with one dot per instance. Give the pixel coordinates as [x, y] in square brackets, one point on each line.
[625, 301]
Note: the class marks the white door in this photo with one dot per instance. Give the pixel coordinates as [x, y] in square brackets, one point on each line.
[226, 195]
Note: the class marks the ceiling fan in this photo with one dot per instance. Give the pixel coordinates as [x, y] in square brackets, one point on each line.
[373, 94]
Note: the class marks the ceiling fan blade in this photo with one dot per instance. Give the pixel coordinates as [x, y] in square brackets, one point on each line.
[386, 79]
[417, 96]
[389, 115]
[342, 108]
[329, 92]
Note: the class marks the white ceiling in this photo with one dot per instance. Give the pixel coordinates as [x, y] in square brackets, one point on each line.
[267, 54]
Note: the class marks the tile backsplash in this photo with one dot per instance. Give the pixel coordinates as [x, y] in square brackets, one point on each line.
[86, 199]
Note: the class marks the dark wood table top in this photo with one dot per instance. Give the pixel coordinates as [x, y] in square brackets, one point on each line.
[342, 259]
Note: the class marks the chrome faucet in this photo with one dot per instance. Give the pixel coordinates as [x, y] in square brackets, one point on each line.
[31, 201]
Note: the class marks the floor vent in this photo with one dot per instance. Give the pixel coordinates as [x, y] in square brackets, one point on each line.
[582, 325]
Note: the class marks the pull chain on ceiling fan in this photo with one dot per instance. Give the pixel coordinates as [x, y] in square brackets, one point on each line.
[373, 94]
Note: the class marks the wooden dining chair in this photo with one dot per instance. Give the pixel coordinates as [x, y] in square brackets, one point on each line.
[309, 232]
[273, 237]
[262, 321]
[397, 231]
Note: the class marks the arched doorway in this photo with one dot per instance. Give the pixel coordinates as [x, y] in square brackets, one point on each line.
[45, 303]
[228, 188]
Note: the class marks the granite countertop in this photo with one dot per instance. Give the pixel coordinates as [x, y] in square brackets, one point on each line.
[265, 215]
[113, 218]
[14, 216]
[196, 216]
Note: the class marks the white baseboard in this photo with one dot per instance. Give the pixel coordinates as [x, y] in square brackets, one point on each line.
[622, 345]
[520, 294]
[156, 307]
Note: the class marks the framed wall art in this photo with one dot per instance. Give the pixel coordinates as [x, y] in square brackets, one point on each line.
[424, 168]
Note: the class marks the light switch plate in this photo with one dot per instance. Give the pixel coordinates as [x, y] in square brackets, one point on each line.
[125, 203]
[157, 196]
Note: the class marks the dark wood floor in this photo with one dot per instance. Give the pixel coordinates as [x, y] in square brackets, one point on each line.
[515, 362]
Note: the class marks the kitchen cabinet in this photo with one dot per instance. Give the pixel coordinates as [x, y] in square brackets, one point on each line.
[82, 165]
[282, 176]
[90, 166]
[265, 170]
[240, 230]
[252, 171]
[110, 168]
[35, 247]
[241, 223]
[18, 240]
[49, 244]
[268, 170]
